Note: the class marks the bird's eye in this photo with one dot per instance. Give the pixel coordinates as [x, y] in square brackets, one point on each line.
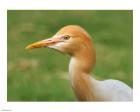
[66, 37]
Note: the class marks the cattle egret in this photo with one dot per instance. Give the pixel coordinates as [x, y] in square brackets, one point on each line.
[76, 42]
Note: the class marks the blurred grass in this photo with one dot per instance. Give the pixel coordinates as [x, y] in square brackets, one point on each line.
[42, 74]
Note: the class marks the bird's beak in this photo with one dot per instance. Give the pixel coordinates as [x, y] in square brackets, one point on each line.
[44, 43]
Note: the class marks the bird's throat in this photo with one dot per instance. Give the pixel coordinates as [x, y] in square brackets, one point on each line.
[81, 83]
[79, 70]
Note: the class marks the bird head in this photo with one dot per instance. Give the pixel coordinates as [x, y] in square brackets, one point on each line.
[70, 39]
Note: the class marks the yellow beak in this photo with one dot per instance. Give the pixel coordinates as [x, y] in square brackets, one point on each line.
[44, 43]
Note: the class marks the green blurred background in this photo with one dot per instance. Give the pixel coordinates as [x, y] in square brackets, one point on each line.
[42, 74]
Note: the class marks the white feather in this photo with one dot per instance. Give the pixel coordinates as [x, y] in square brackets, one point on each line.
[112, 90]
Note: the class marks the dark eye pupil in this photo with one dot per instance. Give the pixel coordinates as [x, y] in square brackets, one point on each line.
[66, 37]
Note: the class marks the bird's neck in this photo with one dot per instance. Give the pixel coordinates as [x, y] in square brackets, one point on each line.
[79, 70]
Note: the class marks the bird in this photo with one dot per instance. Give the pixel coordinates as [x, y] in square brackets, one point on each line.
[77, 43]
